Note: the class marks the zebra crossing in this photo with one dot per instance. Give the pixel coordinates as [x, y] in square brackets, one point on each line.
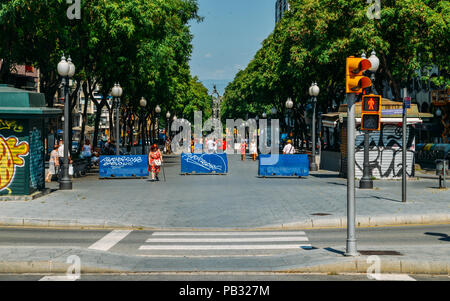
[225, 241]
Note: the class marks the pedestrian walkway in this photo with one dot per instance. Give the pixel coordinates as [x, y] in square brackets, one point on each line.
[219, 202]
[242, 243]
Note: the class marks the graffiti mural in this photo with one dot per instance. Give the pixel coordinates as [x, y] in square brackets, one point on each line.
[11, 156]
[37, 171]
[204, 163]
[11, 125]
[385, 155]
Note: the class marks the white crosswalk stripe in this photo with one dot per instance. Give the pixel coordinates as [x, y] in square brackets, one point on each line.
[226, 241]
[391, 277]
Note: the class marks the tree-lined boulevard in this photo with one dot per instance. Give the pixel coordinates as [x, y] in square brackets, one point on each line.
[165, 192]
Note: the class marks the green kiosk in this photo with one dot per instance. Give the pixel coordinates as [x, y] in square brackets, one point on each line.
[22, 131]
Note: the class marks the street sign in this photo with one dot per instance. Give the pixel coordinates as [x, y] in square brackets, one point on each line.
[407, 102]
[392, 112]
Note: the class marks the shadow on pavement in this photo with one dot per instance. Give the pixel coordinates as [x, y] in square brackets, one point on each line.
[444, 237]
[340, 184]
[335, 251]
[325, 176]
[378, 197]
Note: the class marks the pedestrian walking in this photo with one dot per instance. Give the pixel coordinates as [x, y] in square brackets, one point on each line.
[243, 149]
[53, 164]
[253, 150]
[210, 144]
[86, 152]
[60, 158]
[288, 149]
[155, 161]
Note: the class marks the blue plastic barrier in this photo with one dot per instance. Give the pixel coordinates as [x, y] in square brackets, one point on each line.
[123, 166]
[283, 165]
[204, 163]
[427, 154]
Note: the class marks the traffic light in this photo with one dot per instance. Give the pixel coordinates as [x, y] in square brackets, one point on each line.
[371, 112]
[355, 80]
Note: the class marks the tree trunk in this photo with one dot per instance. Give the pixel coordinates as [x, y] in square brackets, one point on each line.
[392, 82]
[84, 116]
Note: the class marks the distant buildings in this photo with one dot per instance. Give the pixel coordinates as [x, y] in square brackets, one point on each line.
[23, 77]
[280, 7]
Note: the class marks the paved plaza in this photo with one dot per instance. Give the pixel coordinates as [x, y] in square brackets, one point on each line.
[239, 199]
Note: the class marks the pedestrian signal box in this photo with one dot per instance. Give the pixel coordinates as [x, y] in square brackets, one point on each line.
[371, 113]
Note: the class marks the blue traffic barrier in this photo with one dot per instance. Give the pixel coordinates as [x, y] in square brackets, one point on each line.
[123, 166]
[204, 163]
[283, 165]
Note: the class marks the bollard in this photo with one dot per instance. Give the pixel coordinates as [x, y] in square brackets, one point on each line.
[441, 171]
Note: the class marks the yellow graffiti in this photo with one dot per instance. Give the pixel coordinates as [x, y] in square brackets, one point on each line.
[10, 125]
[11, 153]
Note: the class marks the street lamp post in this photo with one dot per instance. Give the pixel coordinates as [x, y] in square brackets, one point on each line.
[168, 125]
[157, 111]
[313, 92]
[366, 182]
[116, 93]
[66, 69]
[143, 104]
[289, 105]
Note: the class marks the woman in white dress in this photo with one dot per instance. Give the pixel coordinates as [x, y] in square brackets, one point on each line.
[253, 150]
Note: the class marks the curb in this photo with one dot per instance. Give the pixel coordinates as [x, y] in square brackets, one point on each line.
[315, 223]
[357, 266]
[45, 267]
[387, 266]
[368, 221]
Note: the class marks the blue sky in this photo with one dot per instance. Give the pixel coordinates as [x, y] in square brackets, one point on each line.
[228, 38]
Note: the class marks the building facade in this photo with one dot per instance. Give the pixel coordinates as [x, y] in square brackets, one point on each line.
[23, 77]
[281, 6]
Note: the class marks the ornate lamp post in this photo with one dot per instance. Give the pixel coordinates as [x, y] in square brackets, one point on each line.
[143, 104]
[116, 93]
[168, 124]
[289, 105]
[158, 112]
[366, 182]
[66, 69]
[313, 92]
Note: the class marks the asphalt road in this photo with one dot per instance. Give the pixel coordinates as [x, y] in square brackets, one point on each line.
[153, 243]
[225, 247]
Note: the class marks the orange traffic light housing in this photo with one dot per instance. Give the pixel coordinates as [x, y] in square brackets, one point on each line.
[371, 113]
[355, 81]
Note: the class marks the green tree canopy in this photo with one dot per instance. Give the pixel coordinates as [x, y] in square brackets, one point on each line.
[312, 41]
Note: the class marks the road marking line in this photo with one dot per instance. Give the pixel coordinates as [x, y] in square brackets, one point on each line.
[391, 277]
[60, 278]
[109, 240]
[222, 247]
[225, 233]
[248, 239]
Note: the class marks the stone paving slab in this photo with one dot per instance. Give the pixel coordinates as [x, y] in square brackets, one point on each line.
[237, 200]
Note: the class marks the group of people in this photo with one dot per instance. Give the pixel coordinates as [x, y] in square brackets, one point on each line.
[155, 157]
[57, 156]
[56, 160]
